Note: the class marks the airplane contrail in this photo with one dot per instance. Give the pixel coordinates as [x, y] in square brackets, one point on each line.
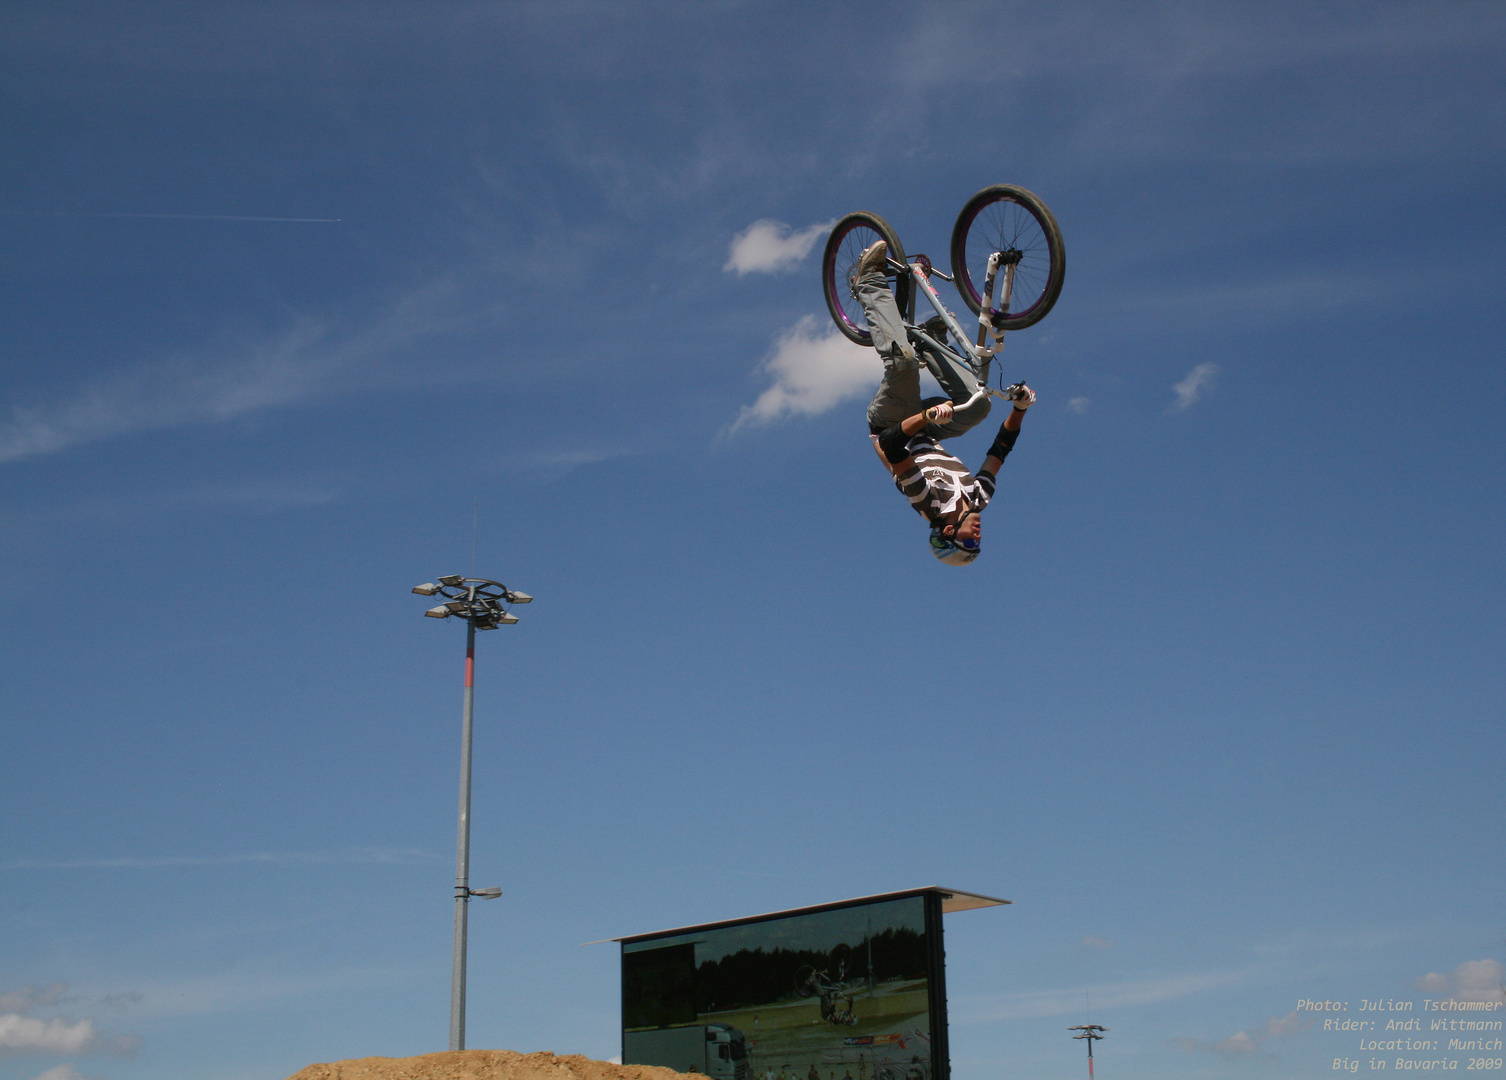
[180, 217]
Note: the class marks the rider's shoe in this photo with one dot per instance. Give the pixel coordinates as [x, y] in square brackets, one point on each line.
[936, 327]
[874, 257]
[1022, 396]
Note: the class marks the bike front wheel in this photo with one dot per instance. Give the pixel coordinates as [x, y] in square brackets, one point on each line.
[805, 981]
[1015, 223]
[849, 238]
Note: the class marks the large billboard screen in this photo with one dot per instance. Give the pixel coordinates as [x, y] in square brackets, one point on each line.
[849, 992]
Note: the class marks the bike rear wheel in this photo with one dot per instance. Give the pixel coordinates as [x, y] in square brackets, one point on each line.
[849, 238]
[1009, 219]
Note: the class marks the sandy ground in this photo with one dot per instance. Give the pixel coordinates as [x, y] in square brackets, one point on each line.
[483, 1065]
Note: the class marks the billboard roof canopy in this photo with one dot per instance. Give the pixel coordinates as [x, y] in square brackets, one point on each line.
[951, 900]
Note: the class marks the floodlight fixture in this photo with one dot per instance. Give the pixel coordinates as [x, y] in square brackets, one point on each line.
[1089, 1032]
[482, 603]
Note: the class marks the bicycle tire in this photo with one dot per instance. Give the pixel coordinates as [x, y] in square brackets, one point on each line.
[804, 981]
[1003, 218]
[847, 240]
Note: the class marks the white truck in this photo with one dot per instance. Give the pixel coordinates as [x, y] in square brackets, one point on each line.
[718, 1051]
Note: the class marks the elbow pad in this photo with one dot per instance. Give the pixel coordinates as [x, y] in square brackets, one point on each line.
[892, 442]
[1003, 443]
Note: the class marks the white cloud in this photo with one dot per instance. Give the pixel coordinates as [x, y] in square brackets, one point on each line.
[1285, 1025]
[1198, 381]
[1078, 405]
[1473, 980]
[30, 1035]
[813, 372]
[1238, 1043]
[768, 246]
[61, 1072]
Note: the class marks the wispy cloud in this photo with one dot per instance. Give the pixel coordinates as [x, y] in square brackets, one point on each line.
[813, 371]
[1042, 1003]
[1078, 405]
[31, 996]
[313, 358]
[1473, 980]
[1249, 1042]
[170, 217]
[1191, 389]
[167, 394]
[256, 980]
[352, 856]
[61, 1072]
[768, 246]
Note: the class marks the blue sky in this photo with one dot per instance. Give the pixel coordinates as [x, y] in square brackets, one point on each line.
[294, 292]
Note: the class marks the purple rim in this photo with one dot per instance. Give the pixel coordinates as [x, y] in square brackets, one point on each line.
[834, 297]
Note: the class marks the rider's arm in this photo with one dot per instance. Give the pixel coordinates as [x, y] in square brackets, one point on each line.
[892, 441]
[1003, 443]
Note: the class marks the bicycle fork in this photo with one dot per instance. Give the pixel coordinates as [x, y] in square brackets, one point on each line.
[1011, 259]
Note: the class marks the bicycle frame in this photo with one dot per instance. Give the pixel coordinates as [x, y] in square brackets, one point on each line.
[979, 354]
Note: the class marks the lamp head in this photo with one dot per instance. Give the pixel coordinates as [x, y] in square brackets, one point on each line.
[428, 589]
[440, 612]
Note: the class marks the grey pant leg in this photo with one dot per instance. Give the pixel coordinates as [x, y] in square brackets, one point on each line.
[898, 394]
[884, 321]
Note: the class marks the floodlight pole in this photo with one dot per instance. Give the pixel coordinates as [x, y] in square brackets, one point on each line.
[482, 603]
[1089, 1032]
[463, 846]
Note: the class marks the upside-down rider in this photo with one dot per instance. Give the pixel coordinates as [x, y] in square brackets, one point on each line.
[906, 431]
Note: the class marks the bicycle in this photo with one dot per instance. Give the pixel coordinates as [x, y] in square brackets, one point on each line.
[809, 982]
[1001, 227]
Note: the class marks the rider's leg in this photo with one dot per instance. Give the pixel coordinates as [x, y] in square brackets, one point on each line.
[884, 320]
[898, 394]
[959, 384]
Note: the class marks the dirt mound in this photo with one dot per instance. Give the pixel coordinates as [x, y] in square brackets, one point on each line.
[483, 1065]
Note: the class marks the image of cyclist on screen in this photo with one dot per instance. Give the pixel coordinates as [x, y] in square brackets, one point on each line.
[907, 430]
